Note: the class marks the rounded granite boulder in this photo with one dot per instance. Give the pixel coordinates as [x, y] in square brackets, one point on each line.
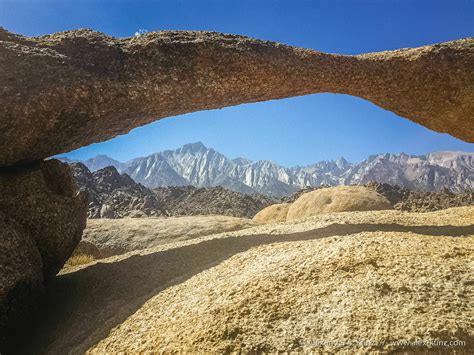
[273, 214]
[337, 199]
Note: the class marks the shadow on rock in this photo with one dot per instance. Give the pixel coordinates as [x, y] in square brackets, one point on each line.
[83, 306]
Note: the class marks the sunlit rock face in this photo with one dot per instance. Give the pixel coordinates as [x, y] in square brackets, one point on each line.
[66, 90]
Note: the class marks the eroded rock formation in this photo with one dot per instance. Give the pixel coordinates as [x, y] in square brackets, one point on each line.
[41, 222]
[42, 199]
[63, 91]
[66, 90]
[337, 199]
[21, 278]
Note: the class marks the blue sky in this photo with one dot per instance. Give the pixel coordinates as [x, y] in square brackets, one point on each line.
[292, 131]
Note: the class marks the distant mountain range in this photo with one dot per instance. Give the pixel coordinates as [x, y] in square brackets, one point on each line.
[195, 164]
[115, 195]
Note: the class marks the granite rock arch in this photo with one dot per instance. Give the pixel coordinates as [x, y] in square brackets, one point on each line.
[74, 88]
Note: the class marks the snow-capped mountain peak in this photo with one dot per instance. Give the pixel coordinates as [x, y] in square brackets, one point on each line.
[195, 164]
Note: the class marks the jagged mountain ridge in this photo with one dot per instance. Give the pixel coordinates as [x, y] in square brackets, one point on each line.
[115, 195]
[195, 164]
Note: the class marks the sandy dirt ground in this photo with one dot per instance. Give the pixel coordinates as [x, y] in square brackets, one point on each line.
[343, 281]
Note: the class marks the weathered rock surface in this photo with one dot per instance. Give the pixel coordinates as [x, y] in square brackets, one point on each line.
[21, 279]
[340, 276]
[357, 294]
[41, 222]
[42, 199]
[337, 199]
[273, 214]
[66, 90]
[113, 237]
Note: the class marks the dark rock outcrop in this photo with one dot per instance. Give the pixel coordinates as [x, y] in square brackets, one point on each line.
[190, 200]
[423, 201]
[66, 90]
[115, 195]
[42, 199]
[21, 279]
[41, 222]
[408, 200]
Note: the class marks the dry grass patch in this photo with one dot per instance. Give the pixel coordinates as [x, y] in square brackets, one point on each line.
[79, 259]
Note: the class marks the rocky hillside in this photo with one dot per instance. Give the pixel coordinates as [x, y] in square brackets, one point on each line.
[115, 195]
[407, 200]
[190, 200]
[195, 164]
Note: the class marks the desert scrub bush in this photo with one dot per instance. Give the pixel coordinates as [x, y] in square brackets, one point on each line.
[79, 260]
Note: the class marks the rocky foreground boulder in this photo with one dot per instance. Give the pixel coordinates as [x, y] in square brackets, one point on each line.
[115, 195]
[41, 222]
[21, 278]
[42, 198]
[337, 199]
[74, 88]
[370, 292]
[106, 237]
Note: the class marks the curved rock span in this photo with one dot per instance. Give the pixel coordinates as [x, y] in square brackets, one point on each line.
[66, 90]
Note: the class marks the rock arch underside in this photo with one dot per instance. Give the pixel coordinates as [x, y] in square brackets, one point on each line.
[63, 91]
[70, 89]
